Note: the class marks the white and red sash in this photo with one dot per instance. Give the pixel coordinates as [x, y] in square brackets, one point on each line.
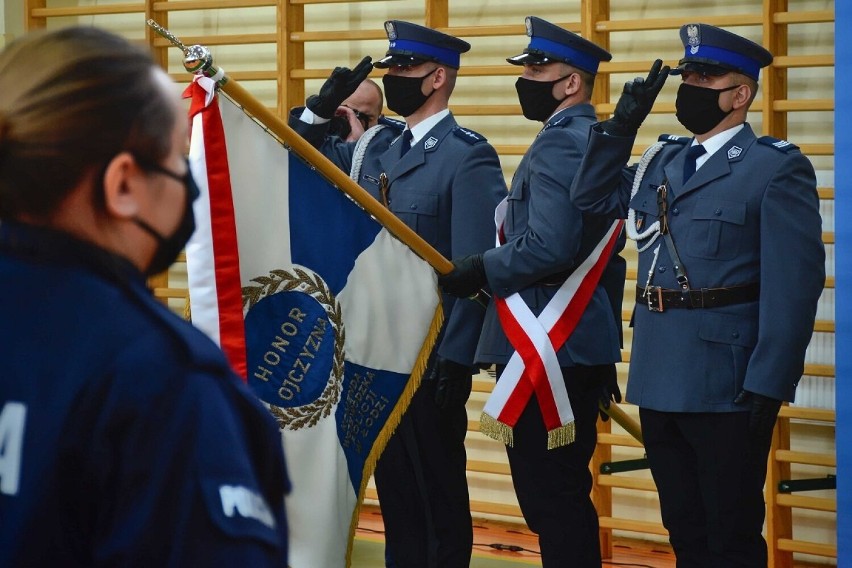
[534, 366]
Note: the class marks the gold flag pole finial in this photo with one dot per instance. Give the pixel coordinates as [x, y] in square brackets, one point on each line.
[196, 58]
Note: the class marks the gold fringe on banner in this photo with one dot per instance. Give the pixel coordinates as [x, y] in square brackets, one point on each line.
[561, 436]
[497, 430]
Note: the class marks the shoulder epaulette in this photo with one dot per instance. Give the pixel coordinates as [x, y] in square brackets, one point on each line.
[392, 122]
[673, 138]
[777, 143]
[468, 136]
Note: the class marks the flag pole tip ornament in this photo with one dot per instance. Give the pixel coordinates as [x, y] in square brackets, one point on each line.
[197, 59]
[173, 39]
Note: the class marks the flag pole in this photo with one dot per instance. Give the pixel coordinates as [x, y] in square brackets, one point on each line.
[198, 59]
[622, 419]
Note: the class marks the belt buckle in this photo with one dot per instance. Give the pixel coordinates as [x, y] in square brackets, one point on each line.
[655, 299]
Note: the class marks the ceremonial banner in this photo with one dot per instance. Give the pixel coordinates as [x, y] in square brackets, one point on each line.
[334, 317]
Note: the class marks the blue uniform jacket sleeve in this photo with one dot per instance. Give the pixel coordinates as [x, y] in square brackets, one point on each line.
[332, 147]
[792, 275]
[602, 184]
[478, 186]
[552, 228]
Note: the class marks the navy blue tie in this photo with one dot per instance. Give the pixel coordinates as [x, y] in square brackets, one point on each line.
[689, 164]
[406, 142]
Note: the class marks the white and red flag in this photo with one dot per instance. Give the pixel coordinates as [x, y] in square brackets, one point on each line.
[328, 317]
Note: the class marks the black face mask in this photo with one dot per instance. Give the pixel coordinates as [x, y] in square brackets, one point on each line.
[536, 97]
[698, 107]
[403, 93]
[169, 247]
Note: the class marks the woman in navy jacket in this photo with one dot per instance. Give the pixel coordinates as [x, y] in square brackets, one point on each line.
[125, 438]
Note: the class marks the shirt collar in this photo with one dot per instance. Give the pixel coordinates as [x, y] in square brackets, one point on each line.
[423, 127]
[715, 143]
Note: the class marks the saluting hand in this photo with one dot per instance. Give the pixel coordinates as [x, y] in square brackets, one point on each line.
[340, 84]
[636, 101]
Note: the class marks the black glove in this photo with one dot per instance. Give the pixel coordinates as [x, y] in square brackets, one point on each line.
[609, 390]
[761, 418]
[636, 101]
[454, 383]
[340, 84]
[466, 278]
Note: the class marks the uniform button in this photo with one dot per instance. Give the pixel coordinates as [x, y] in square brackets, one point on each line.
[413, 206]
[735, 335]
[675, 211]
[661, 268]
[717, 212]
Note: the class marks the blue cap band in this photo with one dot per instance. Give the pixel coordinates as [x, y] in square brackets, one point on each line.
[443, 55]
[748, 65]
[577, 58]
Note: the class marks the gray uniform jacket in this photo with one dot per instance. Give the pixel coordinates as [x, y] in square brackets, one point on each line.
[750, 214]
[446, 188]
[546, 237]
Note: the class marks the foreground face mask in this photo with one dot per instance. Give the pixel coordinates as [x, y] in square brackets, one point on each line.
[169, 247]
[536, 98]
[698, 107]
[403, 94]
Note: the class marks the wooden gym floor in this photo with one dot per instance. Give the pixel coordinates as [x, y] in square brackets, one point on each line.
[625, 552]
[635, 553]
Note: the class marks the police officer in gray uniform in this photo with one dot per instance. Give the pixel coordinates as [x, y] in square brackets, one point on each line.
[720, 327]
[443, 181]
[546, 239]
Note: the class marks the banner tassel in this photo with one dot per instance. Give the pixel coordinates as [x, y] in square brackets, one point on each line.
[497, 430]
[561, 436]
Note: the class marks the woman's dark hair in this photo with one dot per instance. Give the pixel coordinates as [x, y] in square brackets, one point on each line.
[70, 100]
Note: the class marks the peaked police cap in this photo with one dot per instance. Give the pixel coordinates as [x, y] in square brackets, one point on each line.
[411, 44]
[549, 42]
[714, 51]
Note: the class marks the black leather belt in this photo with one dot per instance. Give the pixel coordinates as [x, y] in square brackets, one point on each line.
[660, 299]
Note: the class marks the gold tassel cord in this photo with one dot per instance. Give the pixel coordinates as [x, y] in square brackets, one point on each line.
[496, 430]
[561, 436]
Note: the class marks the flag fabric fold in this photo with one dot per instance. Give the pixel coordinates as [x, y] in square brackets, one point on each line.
[329, 318]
